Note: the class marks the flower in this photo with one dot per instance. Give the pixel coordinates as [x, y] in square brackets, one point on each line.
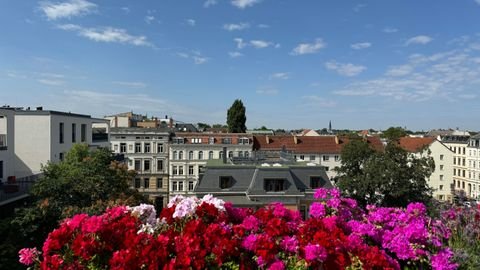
[28, 255]
[315, 252]
[317, 210]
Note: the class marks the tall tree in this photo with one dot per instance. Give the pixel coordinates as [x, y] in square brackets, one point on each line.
[393, 177]
[236, 118]
[394, 133]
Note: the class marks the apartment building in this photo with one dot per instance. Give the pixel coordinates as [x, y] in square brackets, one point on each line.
[42, 136]
[473, 162]
[146, 151]
[441, 179]
[320, 150]
[7, 144]
[458, 144]
[189, 153]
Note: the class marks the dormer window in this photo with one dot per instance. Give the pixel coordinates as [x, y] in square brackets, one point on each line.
[243, 140]
[226, 182]
[315, 182]
[178, 140]
[196, 140]
[274, 185]
[227, 140]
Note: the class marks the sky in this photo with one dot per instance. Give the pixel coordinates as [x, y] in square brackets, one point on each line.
[294, 64]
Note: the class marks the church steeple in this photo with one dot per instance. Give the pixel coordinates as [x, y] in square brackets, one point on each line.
[330, 127]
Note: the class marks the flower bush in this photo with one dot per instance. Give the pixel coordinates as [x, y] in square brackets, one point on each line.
[194, 233]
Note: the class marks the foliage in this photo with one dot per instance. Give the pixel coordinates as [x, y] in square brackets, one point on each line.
[207, 233]
[236, 118]
[203, 126]
[394, 133]
[389, 178]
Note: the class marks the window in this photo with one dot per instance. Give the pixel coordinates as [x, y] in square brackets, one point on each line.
[220, 154]
[180, 186]
[174, 185]
[1, 169]
[463, 174]
[211, 140]
[138, 164]
[137, 182]
[138, 147]
[454, 171]
[274, 185]
[159, 182]
[61, 156]
[441, 167]
[115, 147]
[175, 156]
[240, 154]
[190, 170]
[247, 154]
[326, 158]
[200, 155]
[196, 140]
[440, 187]
[226, 182]
[463, 162]
[160, 148]
[190, 155]
[174, 170]
[227, 140]
[441, 177]
[178, 140]
[83, 132]
[315, 182]
[441, 157]
[146, 165]
[159, 165]
[210, 155]
[243, 140]
[74, 133]
[302, 157]
[123, 147]
[61, 132]
[130, 147]
[146, 148]
[312, 158]
[146, 183]
[190, 186]
[201, 169]
[454, 161]
[337, 158]
[180, 155]
[230, 154]
[180, 170]
[463, 150]
[326, 168]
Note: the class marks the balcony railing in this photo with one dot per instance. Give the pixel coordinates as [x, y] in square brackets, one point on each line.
[3, 142]
[17, 187]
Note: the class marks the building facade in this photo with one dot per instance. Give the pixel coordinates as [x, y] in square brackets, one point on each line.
[473, 162]
[189, 153]
[7, 144]
[145, 150]
[458, 145]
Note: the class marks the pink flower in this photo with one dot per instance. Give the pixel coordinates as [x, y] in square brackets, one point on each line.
[278, 265]
[28, 255]
[249, 242]
[289, 243]
[320, 193]
[315, 252]
[250, 223]
[317, 210]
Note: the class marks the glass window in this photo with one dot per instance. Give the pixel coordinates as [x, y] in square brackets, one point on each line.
[200, 155]
[146, 182]
[226, 182]
[210, 155]
[247, 154]
[337, 158]
[175, 186]
[180, 170]
[137, 182]
[83, 132]
[159, 182]
[138, 147]
[146, 165]
[326, 158]
[180, 155]
[190, 155]
[123, 147]
[190, 185]
[441, 157]
[312, 158]
[230, 154]
[180, 186]
[315, 182]
[62, 129]
[174, 170]
[138, 165]
[190, 170]
[74, 133]
[175, 156]
[159, 165]
[160, 148]
[274, 185]
[146, 148]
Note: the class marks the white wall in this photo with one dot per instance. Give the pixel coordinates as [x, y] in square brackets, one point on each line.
[7, 156]
[441, 187]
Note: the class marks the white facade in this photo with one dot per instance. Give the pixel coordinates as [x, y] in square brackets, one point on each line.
[7, 144]
[473, 163]
[46, 136]
[458, 145]
[328, 160]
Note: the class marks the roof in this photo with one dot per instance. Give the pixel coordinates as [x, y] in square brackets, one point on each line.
[204, 138]
[308, 144]
[137, 130]
[42, 112]
[414, 144]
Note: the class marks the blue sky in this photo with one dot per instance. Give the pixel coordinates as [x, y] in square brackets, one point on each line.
[295, 64]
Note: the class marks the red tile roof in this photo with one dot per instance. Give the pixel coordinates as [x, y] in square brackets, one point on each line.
[205, 137]
[308, 144]
[412, 144]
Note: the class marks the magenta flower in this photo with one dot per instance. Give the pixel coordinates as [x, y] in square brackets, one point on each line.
[320, 193]
[317, 210]
[250, 223]
[289, 243]
[315, 252]
[28, 255]
[249, 242]
[278, 265]
[442, 260]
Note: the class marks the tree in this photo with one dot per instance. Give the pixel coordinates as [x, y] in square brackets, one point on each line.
[203, 126]
[393, 177]
[87, 181]
[236, 117]
[394, 133]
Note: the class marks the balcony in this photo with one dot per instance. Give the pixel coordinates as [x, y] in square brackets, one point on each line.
[3, 142]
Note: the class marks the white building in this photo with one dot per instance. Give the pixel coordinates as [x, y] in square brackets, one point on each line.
[43, 136]
[146, 152]
[458, 144]
[189, 153]
[473, 162]
[7, 144]
[441, 179]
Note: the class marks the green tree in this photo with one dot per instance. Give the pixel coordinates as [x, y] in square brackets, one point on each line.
[393, 177]
[236, 118]
[87, 181]
[203, 126]
[394, 133]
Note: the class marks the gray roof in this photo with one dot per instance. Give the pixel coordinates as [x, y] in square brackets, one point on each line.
[138, 130]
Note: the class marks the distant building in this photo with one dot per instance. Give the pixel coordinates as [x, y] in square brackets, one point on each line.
[308, 132]
[473, 157]
[190, 152]
[128, 119]
[146, 151]
[254, 184]
[458, 144]
[441, 180]
[7, 144]
[260, 132]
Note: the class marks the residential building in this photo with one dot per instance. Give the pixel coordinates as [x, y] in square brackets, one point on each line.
[7, 144]
[254, 184]
[145, 150]
[308, 132]
[473, 162]
[320, 150]
[43, 136]
[189, 153]
[128, 119]
[441, 180]
[458, 145]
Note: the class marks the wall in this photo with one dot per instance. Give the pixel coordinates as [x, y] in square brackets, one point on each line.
[7, 156]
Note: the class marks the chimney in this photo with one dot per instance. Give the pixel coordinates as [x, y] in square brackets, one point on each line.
[336, 140]
[224, 155]
[40, 108]
[267, 139]
[295, 139]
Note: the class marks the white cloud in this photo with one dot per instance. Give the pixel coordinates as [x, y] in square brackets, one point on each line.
[267, 91]
[358, 7]
[242, 4]
[235, 54]
[191, 22]
[280, 75]
[198, 60]
[360, 46]
[348, 69]
[196, 56]
[125, 9]
[51, 82]
[130, 84]
[236, 26]
[419, 40]
[397, 71]
[319, 101]
[149, 19]
[240, 43]
[107, 34]
[263, 26]
[308, 48]
[209, 3]
[390, 30]
[68, 9]
[260, 44]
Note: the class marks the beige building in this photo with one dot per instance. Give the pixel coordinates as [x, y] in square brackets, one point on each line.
[7, 144]
[458, 145]
[473, 162]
